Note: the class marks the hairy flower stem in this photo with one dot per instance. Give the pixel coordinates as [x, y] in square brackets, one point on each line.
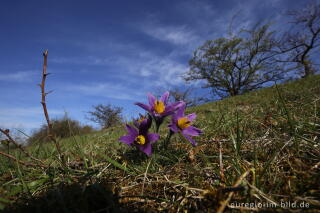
[157, 128]
[167, 140]
[158, 122]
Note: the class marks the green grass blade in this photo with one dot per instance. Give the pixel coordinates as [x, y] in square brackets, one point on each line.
[119, 166]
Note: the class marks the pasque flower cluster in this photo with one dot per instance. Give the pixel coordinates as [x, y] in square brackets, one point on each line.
[139, 136]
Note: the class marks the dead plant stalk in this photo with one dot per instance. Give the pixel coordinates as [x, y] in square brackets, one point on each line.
[7, 134]
[44, 105]
[22, 162]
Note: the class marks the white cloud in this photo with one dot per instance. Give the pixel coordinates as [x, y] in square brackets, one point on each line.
[146, 67]
[21, 76]
[88, 60]
[20, 124]
[151, 69]
[142, 74]
[109, 90]
[26, 118]
[178, 35]
[31, 111]
[163, 71]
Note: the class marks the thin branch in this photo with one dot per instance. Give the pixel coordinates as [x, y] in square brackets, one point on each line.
[6, 133]
[22, 162]
[44, 106]
[42, 85]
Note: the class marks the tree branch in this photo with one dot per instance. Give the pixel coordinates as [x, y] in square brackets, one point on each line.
[6, 133]
[44, 106]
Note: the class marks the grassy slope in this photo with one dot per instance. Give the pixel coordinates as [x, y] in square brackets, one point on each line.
[270, 136]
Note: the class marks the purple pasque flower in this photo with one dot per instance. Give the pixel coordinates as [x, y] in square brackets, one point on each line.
[182, 123]
[140, 137]
[161, 107]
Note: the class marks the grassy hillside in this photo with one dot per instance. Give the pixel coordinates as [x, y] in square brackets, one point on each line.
[259, 151]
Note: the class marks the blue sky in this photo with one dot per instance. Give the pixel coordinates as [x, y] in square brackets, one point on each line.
[108, 51]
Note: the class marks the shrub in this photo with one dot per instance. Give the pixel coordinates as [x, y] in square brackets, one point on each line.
[61, 128]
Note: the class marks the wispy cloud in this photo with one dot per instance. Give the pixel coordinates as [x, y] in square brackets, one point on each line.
[178, 35]
[27, 118]
[109, 90]
[163, 71]
[17, 123]
[152, 70]
[127, 70]
[87, 60]
[27, 111]
[21, 76]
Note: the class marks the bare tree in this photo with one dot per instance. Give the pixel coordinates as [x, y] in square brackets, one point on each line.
[232, 66]
[187, 96]
[106, 115]
[303, 40]
[177, 94]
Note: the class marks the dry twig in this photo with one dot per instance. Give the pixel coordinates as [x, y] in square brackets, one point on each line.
[22, 162]
[44, 106]
[226, 202]
[145, 176]
[7, 134]
[221, 163]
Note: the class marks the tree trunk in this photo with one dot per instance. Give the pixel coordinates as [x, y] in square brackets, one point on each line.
[307, 69]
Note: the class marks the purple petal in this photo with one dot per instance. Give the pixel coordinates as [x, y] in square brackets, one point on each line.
[146, 148]
[146, 123]
[164, 97]
[181, 109]
[178, 104]
[173, 127]
[167, 112]
[136, 123]
[175, 106]
[175, 118]
[127, 139]
[153, 137]
[155, 114]
[191, 130]
[132, 131]
[144, 126]
[151, 99]
[191, 117]
[193, 142]
[143, 106]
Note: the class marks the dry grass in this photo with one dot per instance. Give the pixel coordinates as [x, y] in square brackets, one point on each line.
[269, 152]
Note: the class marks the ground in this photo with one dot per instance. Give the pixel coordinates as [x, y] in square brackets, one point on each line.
[259, 152]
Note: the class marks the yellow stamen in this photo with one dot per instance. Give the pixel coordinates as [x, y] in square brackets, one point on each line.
[140, 139]
[183, 123]
[159, 107]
